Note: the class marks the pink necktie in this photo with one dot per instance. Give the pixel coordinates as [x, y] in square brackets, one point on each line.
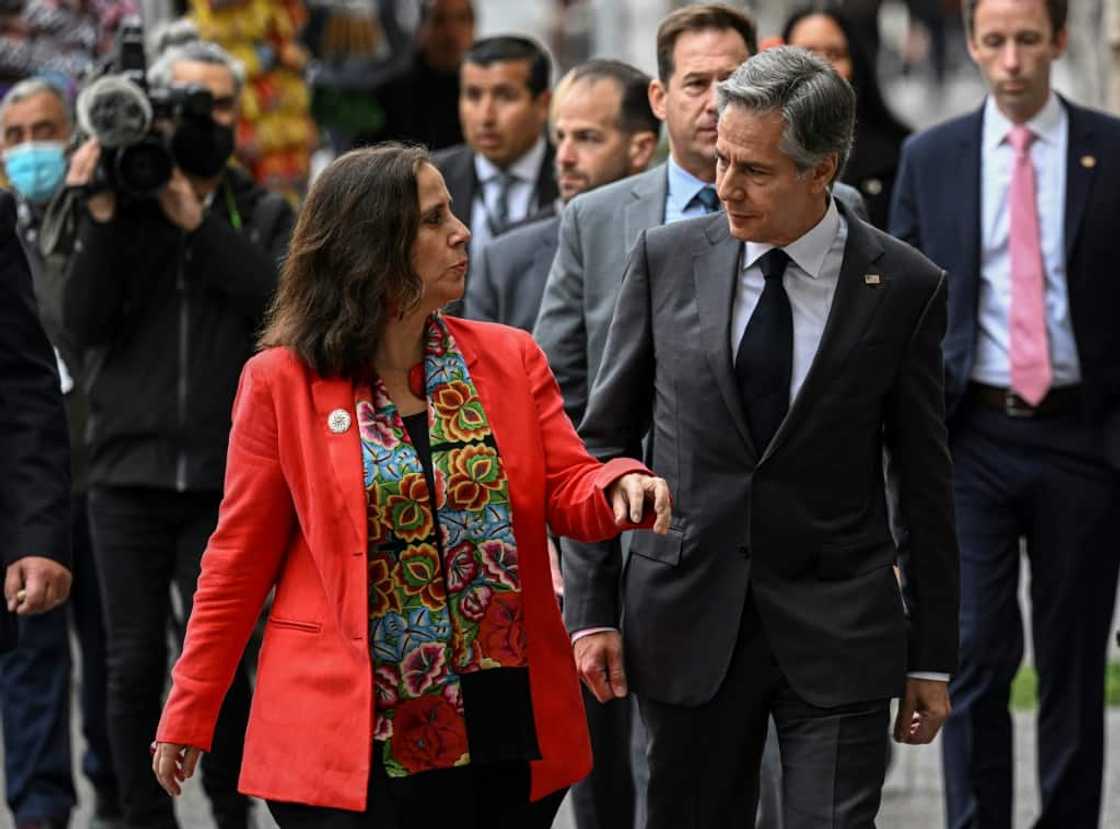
[1030, 351]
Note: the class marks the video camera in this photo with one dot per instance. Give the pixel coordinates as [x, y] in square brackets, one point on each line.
[133, 123]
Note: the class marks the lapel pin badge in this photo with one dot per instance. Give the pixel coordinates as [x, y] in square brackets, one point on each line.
[1088, 162]
[338, 421]
[872, 279]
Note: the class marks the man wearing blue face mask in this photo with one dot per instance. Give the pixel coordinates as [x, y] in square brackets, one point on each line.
[35, 678]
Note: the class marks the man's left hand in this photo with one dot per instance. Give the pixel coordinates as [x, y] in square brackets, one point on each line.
[34, 584]
[180, 204]
[629, 495]
[922, 711]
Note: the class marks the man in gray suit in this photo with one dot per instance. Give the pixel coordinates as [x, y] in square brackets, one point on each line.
[697, 46]
[603, 129]
[771, 355]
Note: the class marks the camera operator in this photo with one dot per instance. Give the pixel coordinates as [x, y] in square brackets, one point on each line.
[170, 290]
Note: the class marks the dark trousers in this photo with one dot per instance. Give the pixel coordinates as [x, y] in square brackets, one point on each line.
[35, 698]
[704, 761]
[463, 798]
[605, 798]
[147, 540]
[1040, 480]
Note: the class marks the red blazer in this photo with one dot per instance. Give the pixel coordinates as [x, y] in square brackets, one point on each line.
[294, 516]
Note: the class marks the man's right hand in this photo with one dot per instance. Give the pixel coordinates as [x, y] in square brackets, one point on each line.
[599, 662]
[34, 584]
[83, 164]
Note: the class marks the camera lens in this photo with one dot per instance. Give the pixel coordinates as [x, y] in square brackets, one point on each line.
[144, 168]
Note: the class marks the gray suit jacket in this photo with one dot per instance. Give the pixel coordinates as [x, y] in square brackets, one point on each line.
[802, 525]
[597, 232]
[508, 275]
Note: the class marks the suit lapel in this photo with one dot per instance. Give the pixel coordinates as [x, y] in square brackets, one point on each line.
[462, 182]
[545, 251]
[344, 451]
[546, 188]
[850, 317]
[715, 275]
[646, 208]
[1079, 174]
[967, 203]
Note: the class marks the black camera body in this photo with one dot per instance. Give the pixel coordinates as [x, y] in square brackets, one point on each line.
[132, 123]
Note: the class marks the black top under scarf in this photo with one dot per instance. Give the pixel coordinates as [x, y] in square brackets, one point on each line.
[497, 705]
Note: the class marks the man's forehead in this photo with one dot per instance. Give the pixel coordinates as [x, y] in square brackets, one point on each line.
[589, 99]
[195, 71]
[707, 50]
[40, 106]
[500, 71]
[739, 128]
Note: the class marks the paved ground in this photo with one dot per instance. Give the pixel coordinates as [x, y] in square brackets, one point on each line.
[912, 797]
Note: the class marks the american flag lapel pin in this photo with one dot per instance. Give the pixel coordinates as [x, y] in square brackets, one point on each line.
[872, 279]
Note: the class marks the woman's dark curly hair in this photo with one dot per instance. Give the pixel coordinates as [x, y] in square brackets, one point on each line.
[349, 264]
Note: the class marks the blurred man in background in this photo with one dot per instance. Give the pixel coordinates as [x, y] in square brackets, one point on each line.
[697, 46]
[504, 171]
[1026, 228]
[603, 129]
[420, 102]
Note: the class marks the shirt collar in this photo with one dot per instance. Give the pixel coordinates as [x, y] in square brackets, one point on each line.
[683, 186]
[1048, 124]
[808, 252]
[527, 168]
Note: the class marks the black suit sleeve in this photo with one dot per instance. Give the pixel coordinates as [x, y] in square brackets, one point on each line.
[34, 448]
[617, 418]
[915, 434]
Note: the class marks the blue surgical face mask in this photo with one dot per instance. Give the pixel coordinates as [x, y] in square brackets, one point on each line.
[36, 169]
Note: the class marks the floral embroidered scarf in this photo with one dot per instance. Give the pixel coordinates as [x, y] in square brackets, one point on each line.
[444, 589]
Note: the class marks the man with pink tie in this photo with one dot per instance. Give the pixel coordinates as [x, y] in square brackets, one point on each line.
[1020, 203]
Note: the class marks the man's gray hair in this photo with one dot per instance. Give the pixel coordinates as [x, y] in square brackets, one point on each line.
[29, 88]
[818, 106]
[180, 41]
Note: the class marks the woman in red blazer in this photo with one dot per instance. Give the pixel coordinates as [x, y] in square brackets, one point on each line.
[392, 474]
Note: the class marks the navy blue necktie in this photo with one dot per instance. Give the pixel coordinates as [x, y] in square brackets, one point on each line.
[708, 198]
[764, 360]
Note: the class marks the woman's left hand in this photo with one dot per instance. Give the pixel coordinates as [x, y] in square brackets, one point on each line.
[174, 763]
[629, 495]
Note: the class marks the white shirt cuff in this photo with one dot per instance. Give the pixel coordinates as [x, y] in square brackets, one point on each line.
[579, 634]
[930, 675]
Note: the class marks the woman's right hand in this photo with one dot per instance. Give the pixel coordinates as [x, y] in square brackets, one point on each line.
[174, 763]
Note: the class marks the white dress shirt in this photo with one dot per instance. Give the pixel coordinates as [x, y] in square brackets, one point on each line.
[522, 191]
[1048, 153]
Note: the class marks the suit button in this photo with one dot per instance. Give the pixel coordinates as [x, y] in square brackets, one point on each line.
[745, 551]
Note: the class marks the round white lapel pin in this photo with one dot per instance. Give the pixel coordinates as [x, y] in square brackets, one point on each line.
[338, 421]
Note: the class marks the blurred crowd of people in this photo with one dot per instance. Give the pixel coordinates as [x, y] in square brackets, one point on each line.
[153, 297]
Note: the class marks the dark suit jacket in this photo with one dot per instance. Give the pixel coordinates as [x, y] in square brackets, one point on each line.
[457, 165]
[508, 275]
[34, 448]
[802, 525]
[940, 215]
